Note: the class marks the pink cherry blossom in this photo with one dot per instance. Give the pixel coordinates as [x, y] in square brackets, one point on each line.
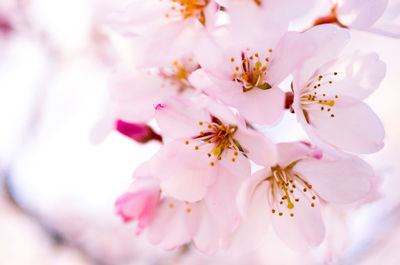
[141, 201]
[289, 196]
[172, 223]
[243, 68]
[329, 92]
[205, 222]
[135, 93]
[206, 141]
[164, 30]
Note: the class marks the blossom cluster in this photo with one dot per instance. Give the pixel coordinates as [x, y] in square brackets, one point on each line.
[211, 73]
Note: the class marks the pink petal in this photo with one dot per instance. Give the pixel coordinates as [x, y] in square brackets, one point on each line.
[139, 203]
[247, 189]
[184, 173]
[254, 226]
[221, 111]
[303, 230]
[360, 14]
[290, 152]
[168, 227]
[266, 28]
[221, 197]
[177, 37]
[137, 17]
[207, 236]
[257, 147]
[288, 9]
[264, 107]
[178, 118]
[130, 205]
[290, 53]
[359, 74]
[329, 41]
[338, 181]
[134, 94]
[354, 126]
[212, 56]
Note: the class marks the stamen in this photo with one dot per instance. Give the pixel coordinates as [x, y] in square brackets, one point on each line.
[281, 196]
[251, 73]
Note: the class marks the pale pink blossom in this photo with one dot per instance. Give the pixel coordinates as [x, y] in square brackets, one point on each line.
[164, 30]
[205, 222]
[243, 67]
[329, 91]
[135, 93]
[141, 200]
[289, 196]
[172, 223]
[375, 16]
[206, 141]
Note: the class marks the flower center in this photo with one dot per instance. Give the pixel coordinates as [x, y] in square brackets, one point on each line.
[188, 8]
[287, 188]
[220, 136]
[316, 93]
[178, 74]
[251, 72]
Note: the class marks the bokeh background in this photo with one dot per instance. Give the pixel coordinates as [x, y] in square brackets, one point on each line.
[62, 166]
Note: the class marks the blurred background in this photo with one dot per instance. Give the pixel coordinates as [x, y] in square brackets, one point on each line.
[62, 166]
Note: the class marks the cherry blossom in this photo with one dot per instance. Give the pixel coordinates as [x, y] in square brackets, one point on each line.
[244, 72]
[328, 94]
[289, 195]
[164, 30]
[139, 203]
[206, 141]
[209, 72]
[172, 223]
[135, 93]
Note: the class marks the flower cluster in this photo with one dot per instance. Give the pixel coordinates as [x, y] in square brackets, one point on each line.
[211, 73]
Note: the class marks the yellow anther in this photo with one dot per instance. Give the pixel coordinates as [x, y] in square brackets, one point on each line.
[217, 150]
